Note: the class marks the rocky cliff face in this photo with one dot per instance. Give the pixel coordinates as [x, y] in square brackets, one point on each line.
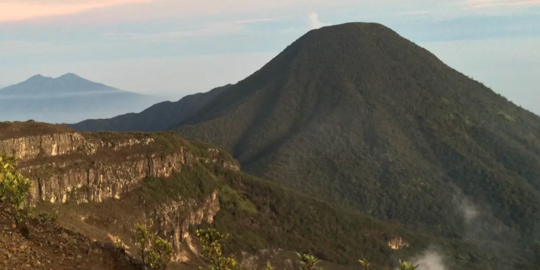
[175, 217]
[80, 168]
[92, 167]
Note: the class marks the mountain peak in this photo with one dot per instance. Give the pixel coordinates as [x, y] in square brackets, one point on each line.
[69, 83]
[70, 75]
[37, 77]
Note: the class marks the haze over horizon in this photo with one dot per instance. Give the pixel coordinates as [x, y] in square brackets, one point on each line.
[182, 47]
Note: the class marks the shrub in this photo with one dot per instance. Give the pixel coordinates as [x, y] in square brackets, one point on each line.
[14, 188]
[154, 250]
[211, 241]
[160, 253]
[308, 262]
[142, 240]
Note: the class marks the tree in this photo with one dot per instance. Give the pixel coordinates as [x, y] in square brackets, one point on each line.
[14, 188]
[211, 240]
[142, 240]
[154, 250]
[160, 253]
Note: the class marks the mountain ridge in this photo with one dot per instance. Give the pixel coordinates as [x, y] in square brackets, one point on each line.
[103, 183]
[347, 113]
[362, 118]
[160, 116]
[66, 98]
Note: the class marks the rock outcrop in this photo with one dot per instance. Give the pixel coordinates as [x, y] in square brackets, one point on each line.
[105, 167]
[93, 167]
[175, 217]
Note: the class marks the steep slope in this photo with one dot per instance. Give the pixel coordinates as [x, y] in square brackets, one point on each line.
[103, 183]
[52, 247]
[68, 98]
[357, 115]
[157, 117]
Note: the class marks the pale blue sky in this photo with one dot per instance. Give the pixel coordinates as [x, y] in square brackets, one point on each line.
[178, 47]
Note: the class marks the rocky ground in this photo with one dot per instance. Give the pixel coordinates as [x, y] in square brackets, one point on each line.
[49, 247]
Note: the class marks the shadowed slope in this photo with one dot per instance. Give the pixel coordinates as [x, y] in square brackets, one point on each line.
[158, 117]
[357, 115]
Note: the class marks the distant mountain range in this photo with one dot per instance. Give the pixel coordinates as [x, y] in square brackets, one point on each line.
[67, 99]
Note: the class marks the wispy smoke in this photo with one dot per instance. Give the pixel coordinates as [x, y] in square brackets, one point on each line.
[314, 22]
[468, 210]
[430, 260]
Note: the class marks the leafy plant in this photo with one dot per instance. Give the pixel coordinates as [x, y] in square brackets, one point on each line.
[211, 240]
[308, 262]
[43, 216]
[14, 188]
[154, 250]
[365, 263]
[160, 253]
[142, 240]
[407, 266]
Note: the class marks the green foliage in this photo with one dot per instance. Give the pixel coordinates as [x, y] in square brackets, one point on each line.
[118, 243]
[14, 188]
[407, 266]
[43, 216]
[195, 182]
[142, 240]
[154, 250]
[365, 264]
[308, 262]
[397, 142]
[211, 241]
[161, 116]
[160, 254]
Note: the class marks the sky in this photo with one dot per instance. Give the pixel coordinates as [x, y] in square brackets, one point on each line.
[179, 47]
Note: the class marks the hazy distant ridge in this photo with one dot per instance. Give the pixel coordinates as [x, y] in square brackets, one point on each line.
[68, 98]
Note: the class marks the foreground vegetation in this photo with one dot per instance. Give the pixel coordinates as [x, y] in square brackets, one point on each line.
[14, 188]
[212, 240]
[256, 211]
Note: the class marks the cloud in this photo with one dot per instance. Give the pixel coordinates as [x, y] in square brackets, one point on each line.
[415, 12]
[314, 22]
[11, 10]
[479, 4]
[256, 20]
[215, 29]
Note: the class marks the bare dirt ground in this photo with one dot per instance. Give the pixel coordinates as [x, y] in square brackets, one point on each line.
[49, 247]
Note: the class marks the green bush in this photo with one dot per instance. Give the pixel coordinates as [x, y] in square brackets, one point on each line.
[14, 188]
[154, 250]
[212, 239]
[160, 253]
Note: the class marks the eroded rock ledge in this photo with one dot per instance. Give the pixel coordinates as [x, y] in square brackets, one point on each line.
[93, 167]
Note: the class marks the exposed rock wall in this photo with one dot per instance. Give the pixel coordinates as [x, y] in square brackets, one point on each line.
[95, 167]
[174, 218]
[82, 167]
